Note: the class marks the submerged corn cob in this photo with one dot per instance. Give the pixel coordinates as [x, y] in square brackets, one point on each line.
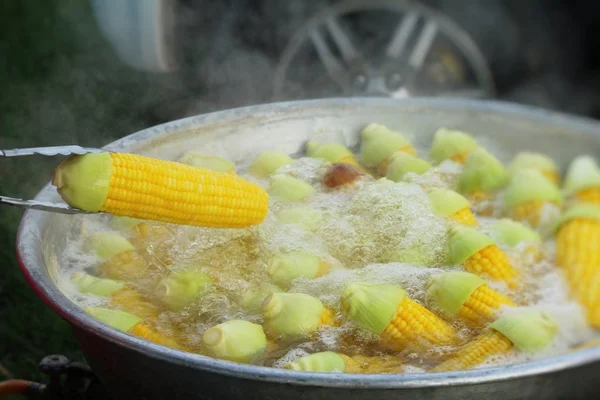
[268, 162]
[285, 267]
[332, 152]
[181, 287]
[532, 198]
[511, 233]
[527, 331]
[293, 315]
[482, 176]
[451, 205]
[140, 187]
[400, 323]
[288, 188]
[582, 181]
[537, 161]
[328, 361]
[236, 340]
[478, 253]
[131, 324]
[451, 144]
[577, 251]
[379, 143]
[467, 297]
[402, 163]
[252, 300]
[307, 218]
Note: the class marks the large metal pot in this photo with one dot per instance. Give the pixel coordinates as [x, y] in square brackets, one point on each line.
[136, 369]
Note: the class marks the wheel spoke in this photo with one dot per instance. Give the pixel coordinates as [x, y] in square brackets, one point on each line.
[419, 53]
[331, 63]
[402, 34]
[341, 40]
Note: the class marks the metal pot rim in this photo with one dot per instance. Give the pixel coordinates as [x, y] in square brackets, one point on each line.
[42, 284]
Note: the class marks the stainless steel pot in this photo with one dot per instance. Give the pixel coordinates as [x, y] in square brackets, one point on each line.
[136, 369]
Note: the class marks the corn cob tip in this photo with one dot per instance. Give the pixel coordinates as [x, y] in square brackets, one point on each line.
[530, 185]
[449, 291]
[123, 223]
[253, 299]
[528, 330]
[213, 163]
[583, 173]
[511, 233]
[448, 143]
[447, 202]
[326, 361]
[582, 210]
[290, 188]
[537, 161]
[236, 340]
[332, 152]
[283, 268]
[179, 288]
[379, 143]
[117, 319]
[292, 314]
[371, 306]
[308, 218]
[402, 163]
[83, 181]
[268, 162]
[463, 242]
[482, 172]
[107, 244]
[86, 283]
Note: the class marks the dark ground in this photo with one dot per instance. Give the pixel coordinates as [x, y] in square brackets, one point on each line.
[60, 83]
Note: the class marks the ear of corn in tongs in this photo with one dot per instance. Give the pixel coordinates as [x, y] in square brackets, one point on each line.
[523, 330]
[399, 322]
[582, 181]
[131, 324]
[268, 162]
[329, 361]
[578, 253]
[466, 296]
[478, 253]
[531, 197]
[294, 315]
[537, 161]
[236, 340]
[451, 205]
[451, 144]
[140, 187]
[379, 143]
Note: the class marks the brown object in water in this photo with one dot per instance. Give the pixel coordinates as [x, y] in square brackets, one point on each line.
[340, 174]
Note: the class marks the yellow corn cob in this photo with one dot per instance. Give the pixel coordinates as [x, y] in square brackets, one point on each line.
[479, 254]
[527, 331]
[465, 217]
[477, 351]
[577, 252]
[589, 195]
[451, 144]
[529, 212]
[466, 296]
[131, 301]
[140, 187]
[379, 144]
[460, 158]
[332, 152]
[293, 315]
[385, 310]
[536, 161]
[133, 325]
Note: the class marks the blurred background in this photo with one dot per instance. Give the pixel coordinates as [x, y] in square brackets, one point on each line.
[90, 71]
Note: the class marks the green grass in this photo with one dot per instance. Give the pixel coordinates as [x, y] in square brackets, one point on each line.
[60, 83]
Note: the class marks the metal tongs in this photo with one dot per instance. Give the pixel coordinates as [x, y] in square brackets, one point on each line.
[61, 208]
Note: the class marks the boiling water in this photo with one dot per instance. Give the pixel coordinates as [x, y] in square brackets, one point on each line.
[372, 231]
